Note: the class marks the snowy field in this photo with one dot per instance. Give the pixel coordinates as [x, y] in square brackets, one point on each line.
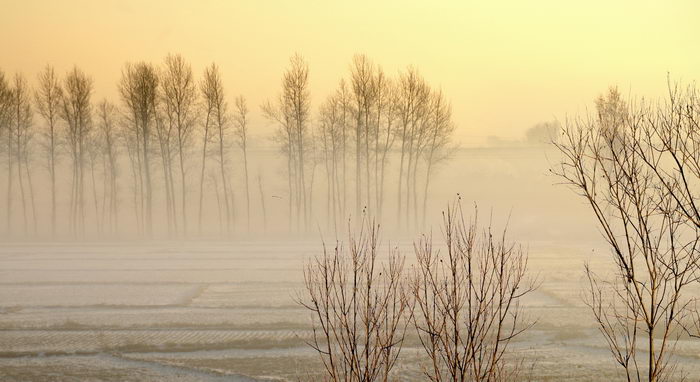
[198, 311]
[216, 311]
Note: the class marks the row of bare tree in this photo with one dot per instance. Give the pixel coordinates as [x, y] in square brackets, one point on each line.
[370, 114]
[463, 303]
[165, 117]
[162, 108]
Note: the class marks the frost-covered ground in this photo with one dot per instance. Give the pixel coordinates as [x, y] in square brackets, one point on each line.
[197, 311]
[215, 311]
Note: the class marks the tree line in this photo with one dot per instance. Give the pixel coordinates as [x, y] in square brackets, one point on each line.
[363, 121]
[174, 145]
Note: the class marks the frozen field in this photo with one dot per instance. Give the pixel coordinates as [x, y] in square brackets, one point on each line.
[215, 311]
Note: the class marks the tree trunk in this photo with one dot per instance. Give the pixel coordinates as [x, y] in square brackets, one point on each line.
[399, 206]
[425, 190]
[21, 183]
[94, 196]
[247, 187]
[201, 178]
[149, 190]
[184, 190]
[31, 197]
[52, 170]
[262, 204]
[224, 182]
[173, 201]
[358, 166]
[168, 191]
[9, 181]
[218, 203]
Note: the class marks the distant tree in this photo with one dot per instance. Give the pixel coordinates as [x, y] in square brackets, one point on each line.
[6, 132]
[76, 111]
[139, 89]
[179, 93]
[385, 134]
[292, 112]
[108, 134]
[221, 116]
[363, 91]
[165, 132]
[279, 113]
[440, 129]
[241, 131]
[344, 105]
[543, 133]
[131, 141]
[262, 202]
[209, 88]
[95, 148]
[47, 99]
[612, 110]
[330, 136]
[412, 104]
[21, 125]
[296, 96]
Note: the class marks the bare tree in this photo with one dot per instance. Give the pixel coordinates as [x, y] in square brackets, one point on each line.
[216, 118]
[95, 148]
[222, 126]
[48, 102]
[179, 93]
[279, 113]
[385, 135]
[262, 203]
[21, 117]
[359, 308]
[468, 302]
[543, 133]
[329, 137]
[108, 135]
[209, 87]
[292, 113]
[630, 165]
[139, 88]
[344, 104]
[295, 85]
[440, 129]
[165, 131]
[362, 71]
[5, 109]
[130, 139]
[241, 131]
[413, 96]
[76, 111]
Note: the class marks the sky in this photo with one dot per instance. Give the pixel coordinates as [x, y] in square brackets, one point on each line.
[505, 65]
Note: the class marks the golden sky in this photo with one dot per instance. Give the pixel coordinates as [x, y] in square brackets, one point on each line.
[506, 65]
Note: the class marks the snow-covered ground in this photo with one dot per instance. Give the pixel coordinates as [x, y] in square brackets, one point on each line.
[192, 311]
[218, 311]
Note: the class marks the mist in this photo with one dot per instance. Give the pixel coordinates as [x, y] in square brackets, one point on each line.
[259, 192]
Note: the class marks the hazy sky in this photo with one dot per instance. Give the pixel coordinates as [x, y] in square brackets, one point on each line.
[506, 65]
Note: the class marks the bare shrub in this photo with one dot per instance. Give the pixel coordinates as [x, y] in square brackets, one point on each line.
[359, 307]
[467, 302]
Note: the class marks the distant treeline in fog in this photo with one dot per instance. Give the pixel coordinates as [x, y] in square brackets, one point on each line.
[152, 162]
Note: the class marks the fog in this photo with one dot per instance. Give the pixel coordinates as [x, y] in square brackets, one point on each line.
[255, 192]
[218, 307]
